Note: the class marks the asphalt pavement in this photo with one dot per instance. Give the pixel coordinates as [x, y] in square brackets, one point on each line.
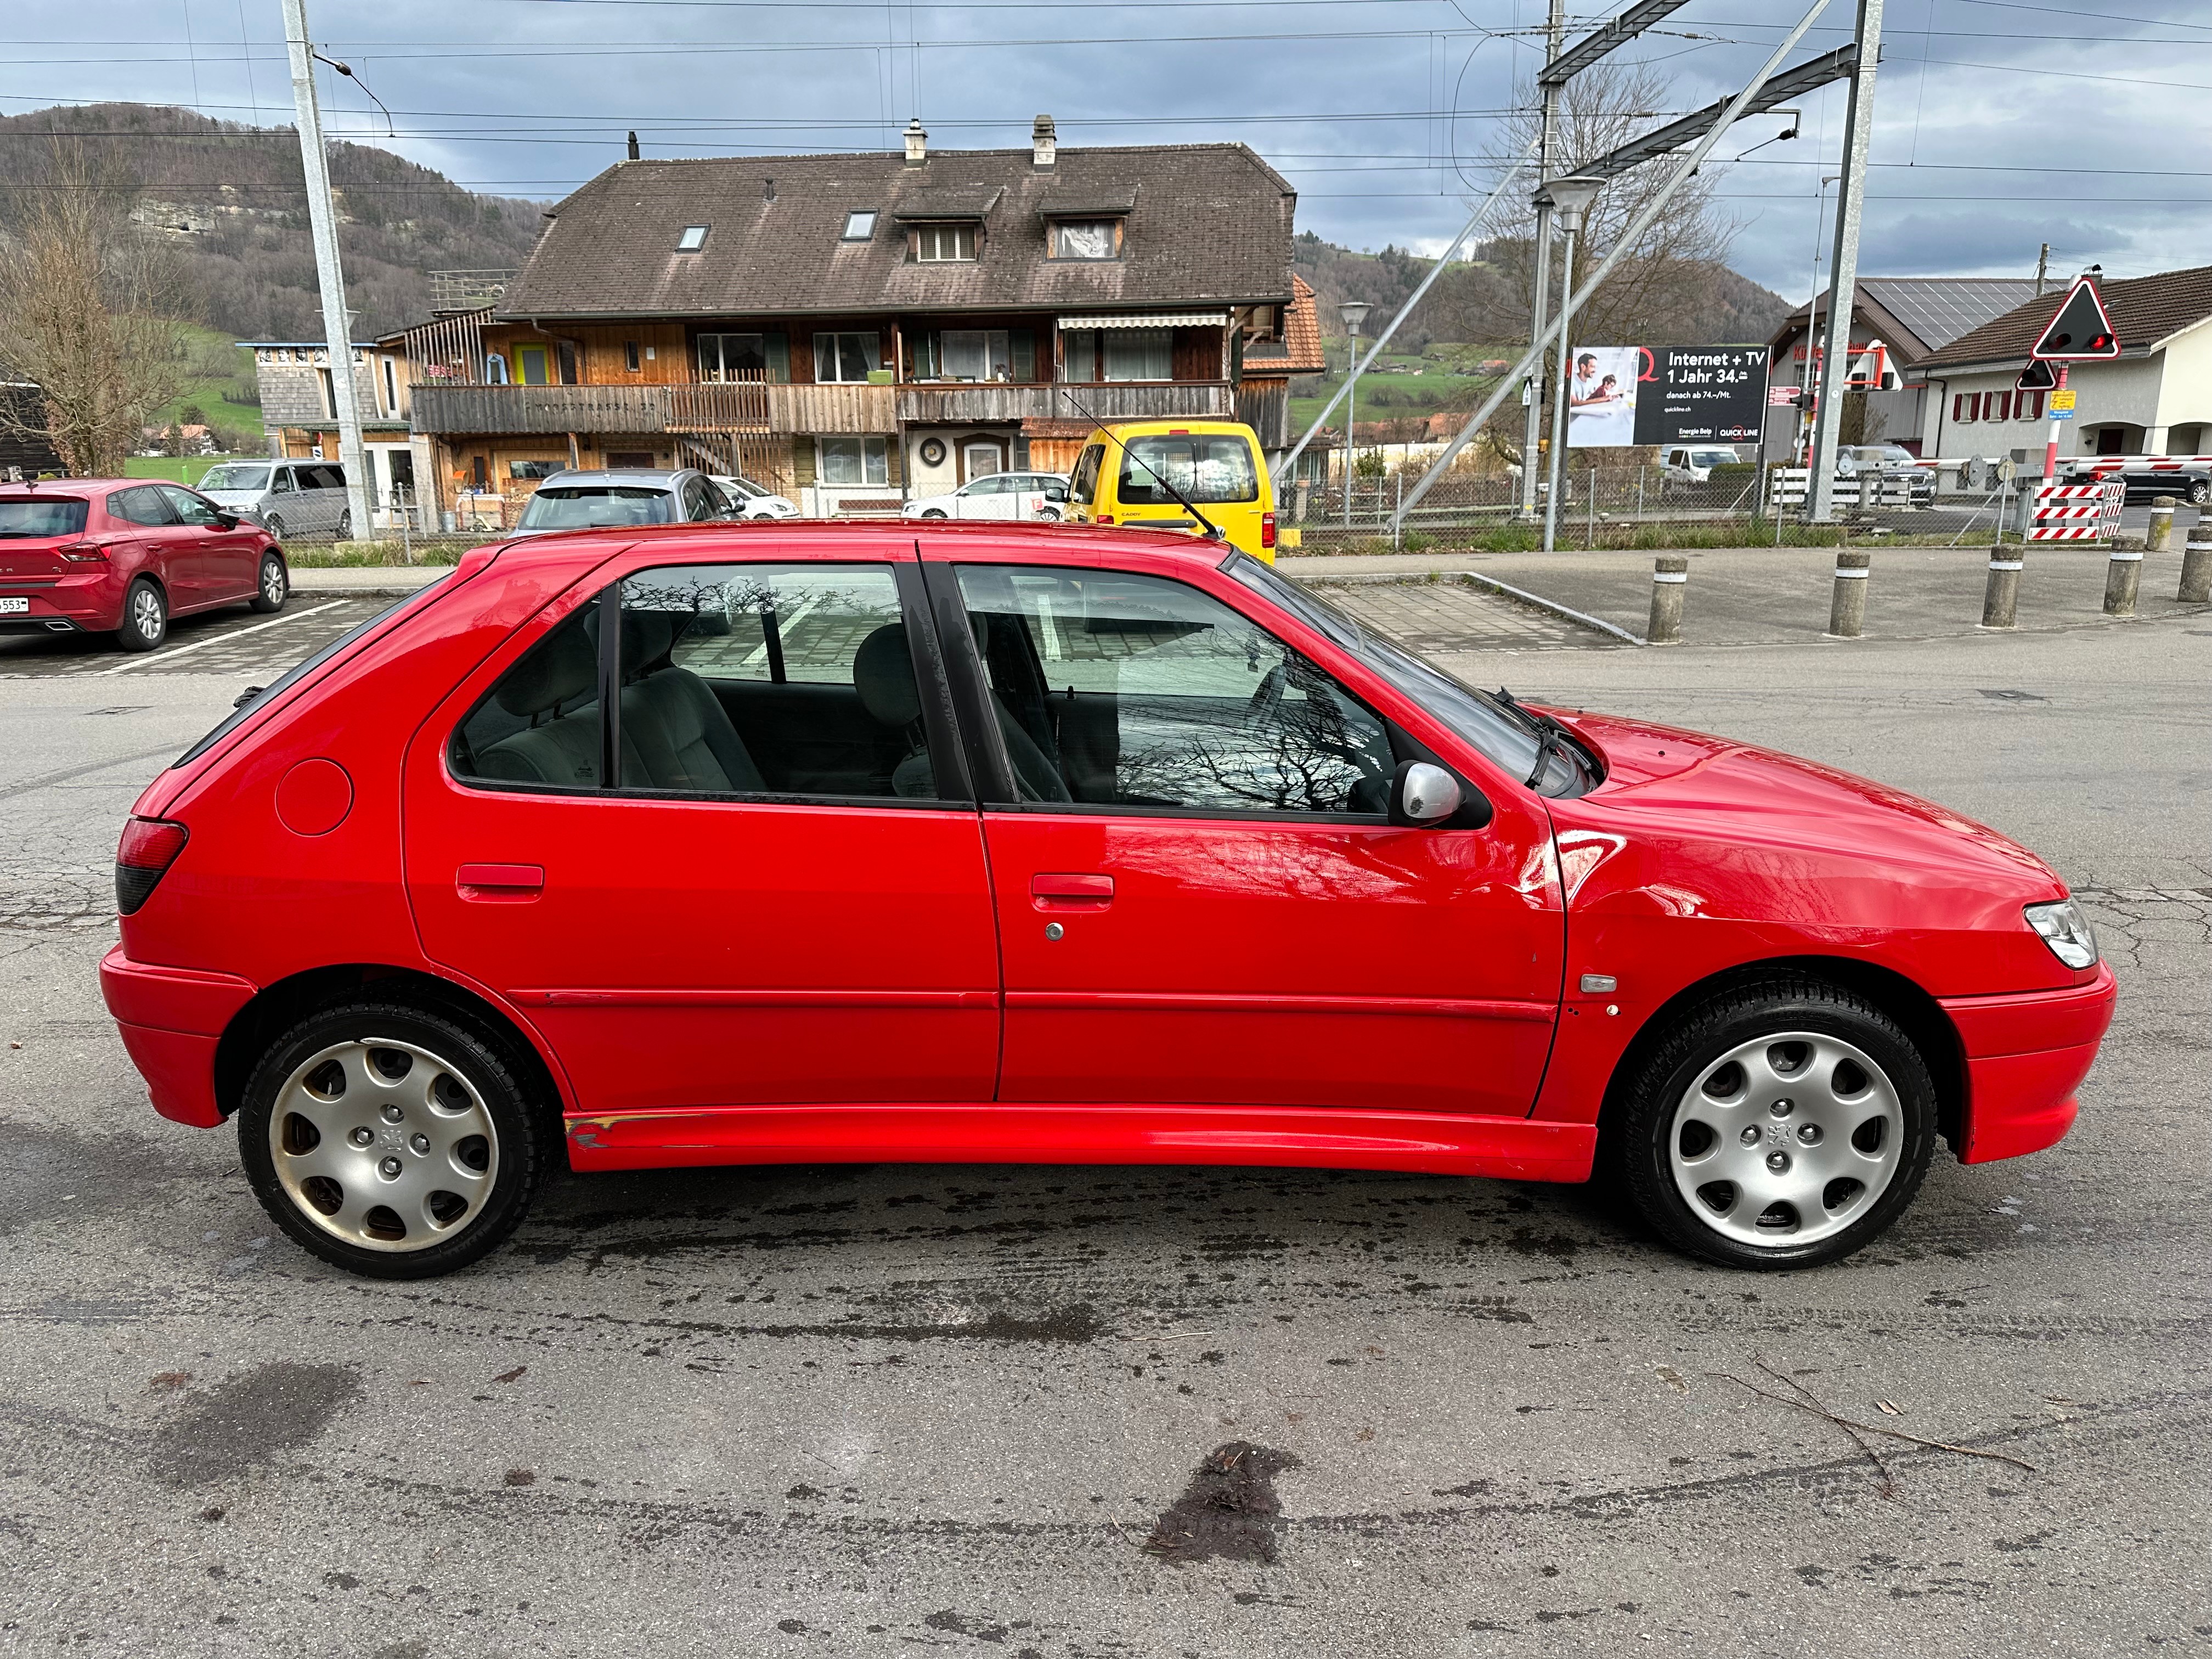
[902, 1410]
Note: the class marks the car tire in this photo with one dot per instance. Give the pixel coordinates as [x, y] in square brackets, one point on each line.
[390, 1141]
[275, 525]
[934, 512]
[145, 621]
[1047, 515]
[345, 526]
[275, 586]
[2200, 493]
[1783, 1123]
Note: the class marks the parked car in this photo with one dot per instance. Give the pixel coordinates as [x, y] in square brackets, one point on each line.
[1890, 464]
[2145, 483]
[1130, 474]
[123, 555]
[998, 495]
[750, 500]
[585, 499]
[1022, 844]
[290, 498]
[1695, 464]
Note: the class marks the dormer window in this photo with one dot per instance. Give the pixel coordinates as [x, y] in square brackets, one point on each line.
[1087, 239]
[860, 225]
[693, 238]
[945, 244]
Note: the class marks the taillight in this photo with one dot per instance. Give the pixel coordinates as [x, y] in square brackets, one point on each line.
[148, 847]
[1104, 518]
[85, 553]
[1266, 530]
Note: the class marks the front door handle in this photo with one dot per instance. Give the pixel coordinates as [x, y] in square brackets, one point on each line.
[499, 884]
[1071, 892]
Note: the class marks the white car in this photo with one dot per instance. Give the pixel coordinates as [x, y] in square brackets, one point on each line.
[998, 495]
[749, 500]
[1695, 464]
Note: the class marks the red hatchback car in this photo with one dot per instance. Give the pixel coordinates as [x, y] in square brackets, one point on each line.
[123, 555]
[770, 843]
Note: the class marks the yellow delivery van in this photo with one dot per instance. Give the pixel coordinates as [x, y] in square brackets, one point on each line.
[1123, 474]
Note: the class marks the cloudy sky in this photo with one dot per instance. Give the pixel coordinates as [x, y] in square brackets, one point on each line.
[2000, 124]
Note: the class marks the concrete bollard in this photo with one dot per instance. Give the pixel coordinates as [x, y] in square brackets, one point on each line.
[2160, 537]
[2196, 568]
[1670, 577]
[2123, 576]
[1847, 609]
[2001, 602]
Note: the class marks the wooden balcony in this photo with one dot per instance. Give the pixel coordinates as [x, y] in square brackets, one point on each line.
[982, 404]
[596, 408]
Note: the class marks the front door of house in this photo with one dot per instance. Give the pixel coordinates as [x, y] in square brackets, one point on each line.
[982, 457]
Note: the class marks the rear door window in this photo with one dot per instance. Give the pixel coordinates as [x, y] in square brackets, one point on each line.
[143, 506]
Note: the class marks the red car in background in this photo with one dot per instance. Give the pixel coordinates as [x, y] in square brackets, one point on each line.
[123, 555]
[781, 843]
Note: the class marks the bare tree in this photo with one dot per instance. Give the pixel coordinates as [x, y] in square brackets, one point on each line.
[87, 315]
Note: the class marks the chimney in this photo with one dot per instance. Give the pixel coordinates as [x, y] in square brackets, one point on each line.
[1044, 141]
[767, 190]
[917, 143]
[633, 147]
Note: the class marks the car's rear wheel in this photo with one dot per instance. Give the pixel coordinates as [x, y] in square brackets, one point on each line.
[1048, 514]
[2200, 493]
[275, 586]
[392, 1142]
[1784, 1124]
[345, 526]
[145, 616]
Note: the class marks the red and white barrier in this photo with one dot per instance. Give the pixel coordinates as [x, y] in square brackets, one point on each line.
[2075, 512]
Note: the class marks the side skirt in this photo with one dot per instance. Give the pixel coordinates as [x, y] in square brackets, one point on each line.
[1437, 1142]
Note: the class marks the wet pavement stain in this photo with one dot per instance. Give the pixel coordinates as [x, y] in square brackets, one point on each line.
[1228, 1510]
[250, 1420]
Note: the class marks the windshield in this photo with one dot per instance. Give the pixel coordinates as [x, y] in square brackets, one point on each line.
[42, 515]
[235, 476]
[1503, 732]
[1204, 468]
[744, 489]
[594, 506]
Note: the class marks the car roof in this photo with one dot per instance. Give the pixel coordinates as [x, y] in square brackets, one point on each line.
[617, 474]
[74, 487]
[872, 538]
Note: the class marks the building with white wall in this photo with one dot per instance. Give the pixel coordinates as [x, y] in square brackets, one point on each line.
[2155, 399]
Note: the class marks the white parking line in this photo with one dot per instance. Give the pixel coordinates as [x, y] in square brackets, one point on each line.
[220, 639]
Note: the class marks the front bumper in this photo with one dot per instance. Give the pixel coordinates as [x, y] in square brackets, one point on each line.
[2025, 1055]
[171, 1019]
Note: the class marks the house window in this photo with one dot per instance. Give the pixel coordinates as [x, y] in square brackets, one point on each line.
[564, 352]
[329, 395]
[1965, 405]
[2000, 406]
[1086, 239]
[1139, 353]
[629, 356]
[733, 357]
[852, 461]
[495, 369]
[860, 225]
[945, 244]
[390, 388]
[1079, 355]
[2028, 405]
[974, 354]
[846, 359]
[693, 238]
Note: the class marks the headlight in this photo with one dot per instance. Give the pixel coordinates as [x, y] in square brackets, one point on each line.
[2066, 931]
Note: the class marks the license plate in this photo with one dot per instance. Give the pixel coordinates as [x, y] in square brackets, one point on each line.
[12, 607]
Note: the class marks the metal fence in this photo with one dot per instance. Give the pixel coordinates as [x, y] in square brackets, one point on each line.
[1637, 506]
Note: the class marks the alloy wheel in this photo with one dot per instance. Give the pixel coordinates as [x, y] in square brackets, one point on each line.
[148, 614]
[383, 1144]
[272, 580]
[1786, 1139]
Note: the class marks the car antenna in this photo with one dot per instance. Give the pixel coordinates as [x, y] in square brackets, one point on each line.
[1212, 530]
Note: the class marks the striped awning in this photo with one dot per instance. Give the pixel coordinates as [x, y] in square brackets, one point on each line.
[1151, 320]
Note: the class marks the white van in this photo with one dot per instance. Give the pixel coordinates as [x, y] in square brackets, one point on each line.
[1694, 463]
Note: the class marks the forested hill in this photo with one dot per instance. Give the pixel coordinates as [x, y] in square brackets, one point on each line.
[228, 200]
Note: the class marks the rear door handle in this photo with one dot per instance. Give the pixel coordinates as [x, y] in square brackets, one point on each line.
[1071, 892]
[497, 883]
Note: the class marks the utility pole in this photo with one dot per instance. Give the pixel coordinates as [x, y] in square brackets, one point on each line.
[2042, 269]
[322, 219]
[1547, 144]
[1843, 267]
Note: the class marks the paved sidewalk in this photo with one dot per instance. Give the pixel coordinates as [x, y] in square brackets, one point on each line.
[1763, 596]
[362, 580]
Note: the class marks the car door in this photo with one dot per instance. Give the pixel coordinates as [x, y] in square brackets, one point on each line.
[980, 498]
[162, 549]
[1201, 898]
[780, 898]
[227, 559]
[325, 489]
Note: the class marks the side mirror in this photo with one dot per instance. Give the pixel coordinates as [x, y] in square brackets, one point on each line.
[226, 520]
[1422, 794]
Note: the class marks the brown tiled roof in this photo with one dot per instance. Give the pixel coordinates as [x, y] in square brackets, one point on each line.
[1298, 352]
[2144, 310]
[1211, 225]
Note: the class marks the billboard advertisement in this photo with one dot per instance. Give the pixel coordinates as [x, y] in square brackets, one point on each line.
[1622, 395]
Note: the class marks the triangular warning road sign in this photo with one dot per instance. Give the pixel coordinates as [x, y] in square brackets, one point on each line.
[2035, 377]
[2081, 332]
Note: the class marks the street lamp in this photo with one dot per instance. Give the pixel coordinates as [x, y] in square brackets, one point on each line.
[1354, 312]
[1569, 200]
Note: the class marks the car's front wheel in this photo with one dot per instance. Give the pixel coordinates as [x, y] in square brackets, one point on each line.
[275, 586]
[275, 525]
[2199, 492]
[392, 1142]
[1784, 1123]
[934, 512]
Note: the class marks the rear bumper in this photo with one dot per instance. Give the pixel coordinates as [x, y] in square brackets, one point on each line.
[2025, 1055]
[171, 1019]
[91, 602]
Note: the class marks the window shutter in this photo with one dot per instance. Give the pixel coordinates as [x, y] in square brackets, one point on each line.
[2002, 409]
[802, 461]
[1021, 353]
[1958, 406]
[2031, 406]
[777, 348]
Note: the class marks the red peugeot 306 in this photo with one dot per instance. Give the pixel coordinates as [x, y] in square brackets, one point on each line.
[123, 555]
[781, 844]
